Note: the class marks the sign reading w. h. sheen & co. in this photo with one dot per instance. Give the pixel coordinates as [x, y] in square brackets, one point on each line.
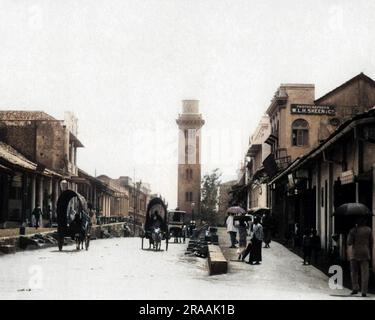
[313, 109]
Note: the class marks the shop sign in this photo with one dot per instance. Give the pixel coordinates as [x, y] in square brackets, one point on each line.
[347, 177]
[311, 109]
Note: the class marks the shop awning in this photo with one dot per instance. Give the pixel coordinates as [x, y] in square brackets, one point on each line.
[12, 158]
[254, 149]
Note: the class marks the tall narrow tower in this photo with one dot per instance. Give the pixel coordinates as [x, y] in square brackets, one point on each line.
[189, 123]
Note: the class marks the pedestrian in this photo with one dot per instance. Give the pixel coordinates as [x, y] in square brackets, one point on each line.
[315, 244]
[361, 241]
[232, 230]
[37, 214]
[256, 240]
[242, 234]
[49, 216]
[297, 235]
[306, 246]
[266, 222]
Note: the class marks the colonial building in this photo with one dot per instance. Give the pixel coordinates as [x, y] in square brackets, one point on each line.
[18, 189]
[336, 171]
[256, 178]
[189, 123]
[49, 145]
[139, 196]
[340, 170]
[299, 122]
[114, 198]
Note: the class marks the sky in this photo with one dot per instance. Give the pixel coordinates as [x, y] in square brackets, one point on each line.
[123, 67]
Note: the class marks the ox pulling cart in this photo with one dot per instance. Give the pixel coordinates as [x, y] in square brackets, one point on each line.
[76, 225]
[156, 225]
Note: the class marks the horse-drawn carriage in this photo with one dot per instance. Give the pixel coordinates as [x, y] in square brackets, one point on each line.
[176, 225]
[70, 223]
[156, 224]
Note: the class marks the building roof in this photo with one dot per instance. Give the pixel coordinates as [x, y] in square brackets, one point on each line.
[13, 158]
[24, 115]
[341, 130]
[281, 94]
[360, 76]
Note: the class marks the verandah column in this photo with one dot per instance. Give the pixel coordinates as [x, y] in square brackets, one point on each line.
[373, 218]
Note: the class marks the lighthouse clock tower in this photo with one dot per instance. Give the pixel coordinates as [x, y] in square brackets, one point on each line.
[189, 123]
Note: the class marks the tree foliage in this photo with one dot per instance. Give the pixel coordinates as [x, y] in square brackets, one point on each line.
[209, 196]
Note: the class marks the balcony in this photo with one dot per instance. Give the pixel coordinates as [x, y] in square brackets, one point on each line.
[282, 158]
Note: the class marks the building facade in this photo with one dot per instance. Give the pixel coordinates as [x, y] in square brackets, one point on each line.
[45, 143]
[256, 178]
[189, 124]
[139, 196]
[336, 171]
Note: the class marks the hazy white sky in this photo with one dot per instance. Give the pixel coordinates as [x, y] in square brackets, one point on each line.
[124, 66]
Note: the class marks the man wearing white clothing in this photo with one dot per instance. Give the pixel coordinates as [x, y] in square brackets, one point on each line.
[232, 230]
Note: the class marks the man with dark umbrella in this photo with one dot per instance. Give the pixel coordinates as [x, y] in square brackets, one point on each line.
[360, 240]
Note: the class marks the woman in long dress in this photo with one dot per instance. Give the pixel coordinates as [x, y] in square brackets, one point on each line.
[242, 234]
[256, 240]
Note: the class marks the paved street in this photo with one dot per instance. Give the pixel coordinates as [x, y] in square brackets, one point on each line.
[118, 269]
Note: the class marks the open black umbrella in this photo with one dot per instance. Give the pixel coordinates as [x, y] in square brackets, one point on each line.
[259, 211]
[352, 209]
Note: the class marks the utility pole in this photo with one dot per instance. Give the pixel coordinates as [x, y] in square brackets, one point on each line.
[134, 202]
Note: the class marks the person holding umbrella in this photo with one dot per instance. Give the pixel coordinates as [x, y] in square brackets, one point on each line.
[231, 228]
[361, 241]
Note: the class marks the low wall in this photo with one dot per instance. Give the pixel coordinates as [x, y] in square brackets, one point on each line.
[97, 232]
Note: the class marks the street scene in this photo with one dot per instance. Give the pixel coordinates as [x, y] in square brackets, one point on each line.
[181, 150]
[111, 272]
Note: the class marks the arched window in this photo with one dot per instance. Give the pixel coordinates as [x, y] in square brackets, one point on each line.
[189, 174]
[300, 133]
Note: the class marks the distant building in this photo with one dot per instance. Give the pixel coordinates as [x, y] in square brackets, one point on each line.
[139, 196]
[114, 199]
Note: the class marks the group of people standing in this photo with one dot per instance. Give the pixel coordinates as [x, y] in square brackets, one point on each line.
[244, 226]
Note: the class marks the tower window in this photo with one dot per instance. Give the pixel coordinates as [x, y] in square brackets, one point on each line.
[300, 133]
[189, 196]
[189, 174]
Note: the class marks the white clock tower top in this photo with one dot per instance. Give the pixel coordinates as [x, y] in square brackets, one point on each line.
[190, 106]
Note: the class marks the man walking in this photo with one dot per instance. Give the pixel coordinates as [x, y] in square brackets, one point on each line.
[232, 230]
[361, 241]
[37, 214]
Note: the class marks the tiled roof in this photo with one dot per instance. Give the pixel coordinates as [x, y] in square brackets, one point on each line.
[24, 115]
[13, 157]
